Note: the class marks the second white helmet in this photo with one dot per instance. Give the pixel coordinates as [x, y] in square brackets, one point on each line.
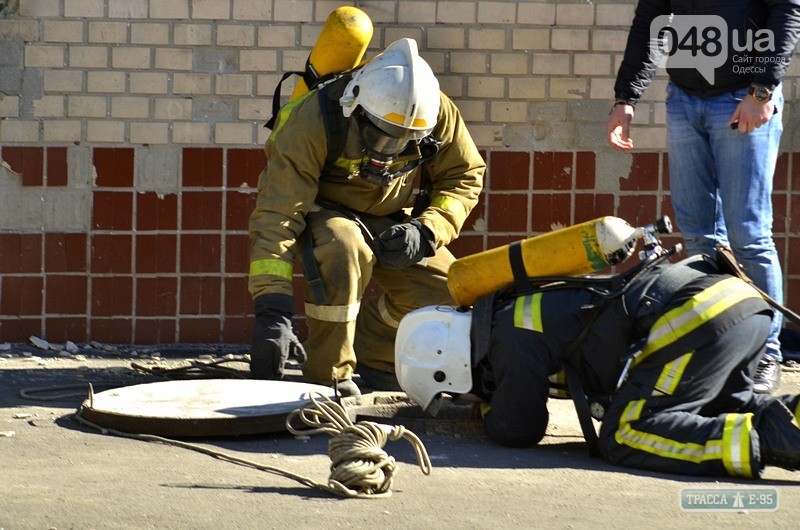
[433, 353]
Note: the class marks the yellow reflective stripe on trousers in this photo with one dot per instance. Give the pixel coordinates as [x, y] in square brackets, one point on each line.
[274, 267]
[560, 379]
[632, 412]
[671, 375]
[733, 449]
[448, 204]
[736, 443]
[528, 312]
[333, 313]
[659, 445]
[698, 310]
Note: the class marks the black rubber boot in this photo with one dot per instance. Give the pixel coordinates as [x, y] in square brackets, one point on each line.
[779, 436]
[378, 379]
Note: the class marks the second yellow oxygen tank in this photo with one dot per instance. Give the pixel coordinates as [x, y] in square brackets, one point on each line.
[340, 46]
[571, 251]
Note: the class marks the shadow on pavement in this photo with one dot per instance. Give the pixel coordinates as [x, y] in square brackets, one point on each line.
[66, 388]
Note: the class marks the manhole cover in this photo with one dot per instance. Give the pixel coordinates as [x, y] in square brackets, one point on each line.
[200, 408]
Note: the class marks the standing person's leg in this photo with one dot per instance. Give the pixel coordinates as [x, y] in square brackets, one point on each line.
[693, 180]
[745, 164]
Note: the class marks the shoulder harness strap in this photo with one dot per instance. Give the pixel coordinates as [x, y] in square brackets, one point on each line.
[661, 291]
[311, 78]
[335, 122]
[481, 327]
[276, 98]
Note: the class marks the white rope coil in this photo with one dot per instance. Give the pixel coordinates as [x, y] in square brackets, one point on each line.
[360, 468]
[359, 465]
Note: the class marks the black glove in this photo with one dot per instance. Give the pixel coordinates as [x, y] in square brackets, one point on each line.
[401, 246]
[274, 340]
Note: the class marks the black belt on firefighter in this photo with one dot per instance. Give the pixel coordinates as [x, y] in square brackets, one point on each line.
[310, 267]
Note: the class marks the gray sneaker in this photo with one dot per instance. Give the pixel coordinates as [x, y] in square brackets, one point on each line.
[767, 377]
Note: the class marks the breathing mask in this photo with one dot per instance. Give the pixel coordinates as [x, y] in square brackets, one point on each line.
[382, 149]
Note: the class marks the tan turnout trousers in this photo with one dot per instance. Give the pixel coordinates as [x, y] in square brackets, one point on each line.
[348, 329]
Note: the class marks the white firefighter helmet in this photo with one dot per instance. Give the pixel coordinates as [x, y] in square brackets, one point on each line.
[432, 353]
[399, 95]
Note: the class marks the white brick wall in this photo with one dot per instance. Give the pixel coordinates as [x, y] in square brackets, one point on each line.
[135, 71]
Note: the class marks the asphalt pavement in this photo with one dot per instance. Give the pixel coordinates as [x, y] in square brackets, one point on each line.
[56, 472]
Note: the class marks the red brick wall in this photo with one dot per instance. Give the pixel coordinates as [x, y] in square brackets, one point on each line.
[173, 268]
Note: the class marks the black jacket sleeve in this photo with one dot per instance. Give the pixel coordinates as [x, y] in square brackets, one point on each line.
[751, 22]
[638, 64]
[783, 21]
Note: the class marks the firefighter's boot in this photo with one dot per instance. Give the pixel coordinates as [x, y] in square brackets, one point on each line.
[779, 436]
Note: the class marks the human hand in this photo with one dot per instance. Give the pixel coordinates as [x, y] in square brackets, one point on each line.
[274, 341]
[618, 127]
[750, 114]
[403, 245]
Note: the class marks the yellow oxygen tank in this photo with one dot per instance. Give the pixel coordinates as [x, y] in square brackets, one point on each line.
[340, 46]
[571, 251]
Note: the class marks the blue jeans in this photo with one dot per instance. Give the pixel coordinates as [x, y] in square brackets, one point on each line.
[721, 185]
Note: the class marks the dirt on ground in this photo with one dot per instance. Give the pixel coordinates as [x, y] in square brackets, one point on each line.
[60, 473]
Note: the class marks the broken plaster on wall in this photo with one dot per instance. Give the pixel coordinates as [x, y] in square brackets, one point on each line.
[7, 167]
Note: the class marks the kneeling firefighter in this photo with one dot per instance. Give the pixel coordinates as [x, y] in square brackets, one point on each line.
[664, 355]
[339, 190]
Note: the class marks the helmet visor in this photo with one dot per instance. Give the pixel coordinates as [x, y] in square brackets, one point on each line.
[385, 138]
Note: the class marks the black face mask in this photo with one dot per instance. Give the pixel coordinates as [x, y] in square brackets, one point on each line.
[382, 148]
[377, 171]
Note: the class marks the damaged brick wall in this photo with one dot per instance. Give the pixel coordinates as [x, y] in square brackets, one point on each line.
[131, 136]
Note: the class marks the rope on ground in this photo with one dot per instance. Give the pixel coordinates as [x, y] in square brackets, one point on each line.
[200, 449]
[359, 465]
[53, 393]
[361, 469]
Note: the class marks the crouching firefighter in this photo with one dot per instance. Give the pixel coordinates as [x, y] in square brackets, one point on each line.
[339, 192]
[664, 355]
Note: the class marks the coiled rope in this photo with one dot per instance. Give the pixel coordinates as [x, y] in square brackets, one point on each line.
[360, 468]
[359, 465]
